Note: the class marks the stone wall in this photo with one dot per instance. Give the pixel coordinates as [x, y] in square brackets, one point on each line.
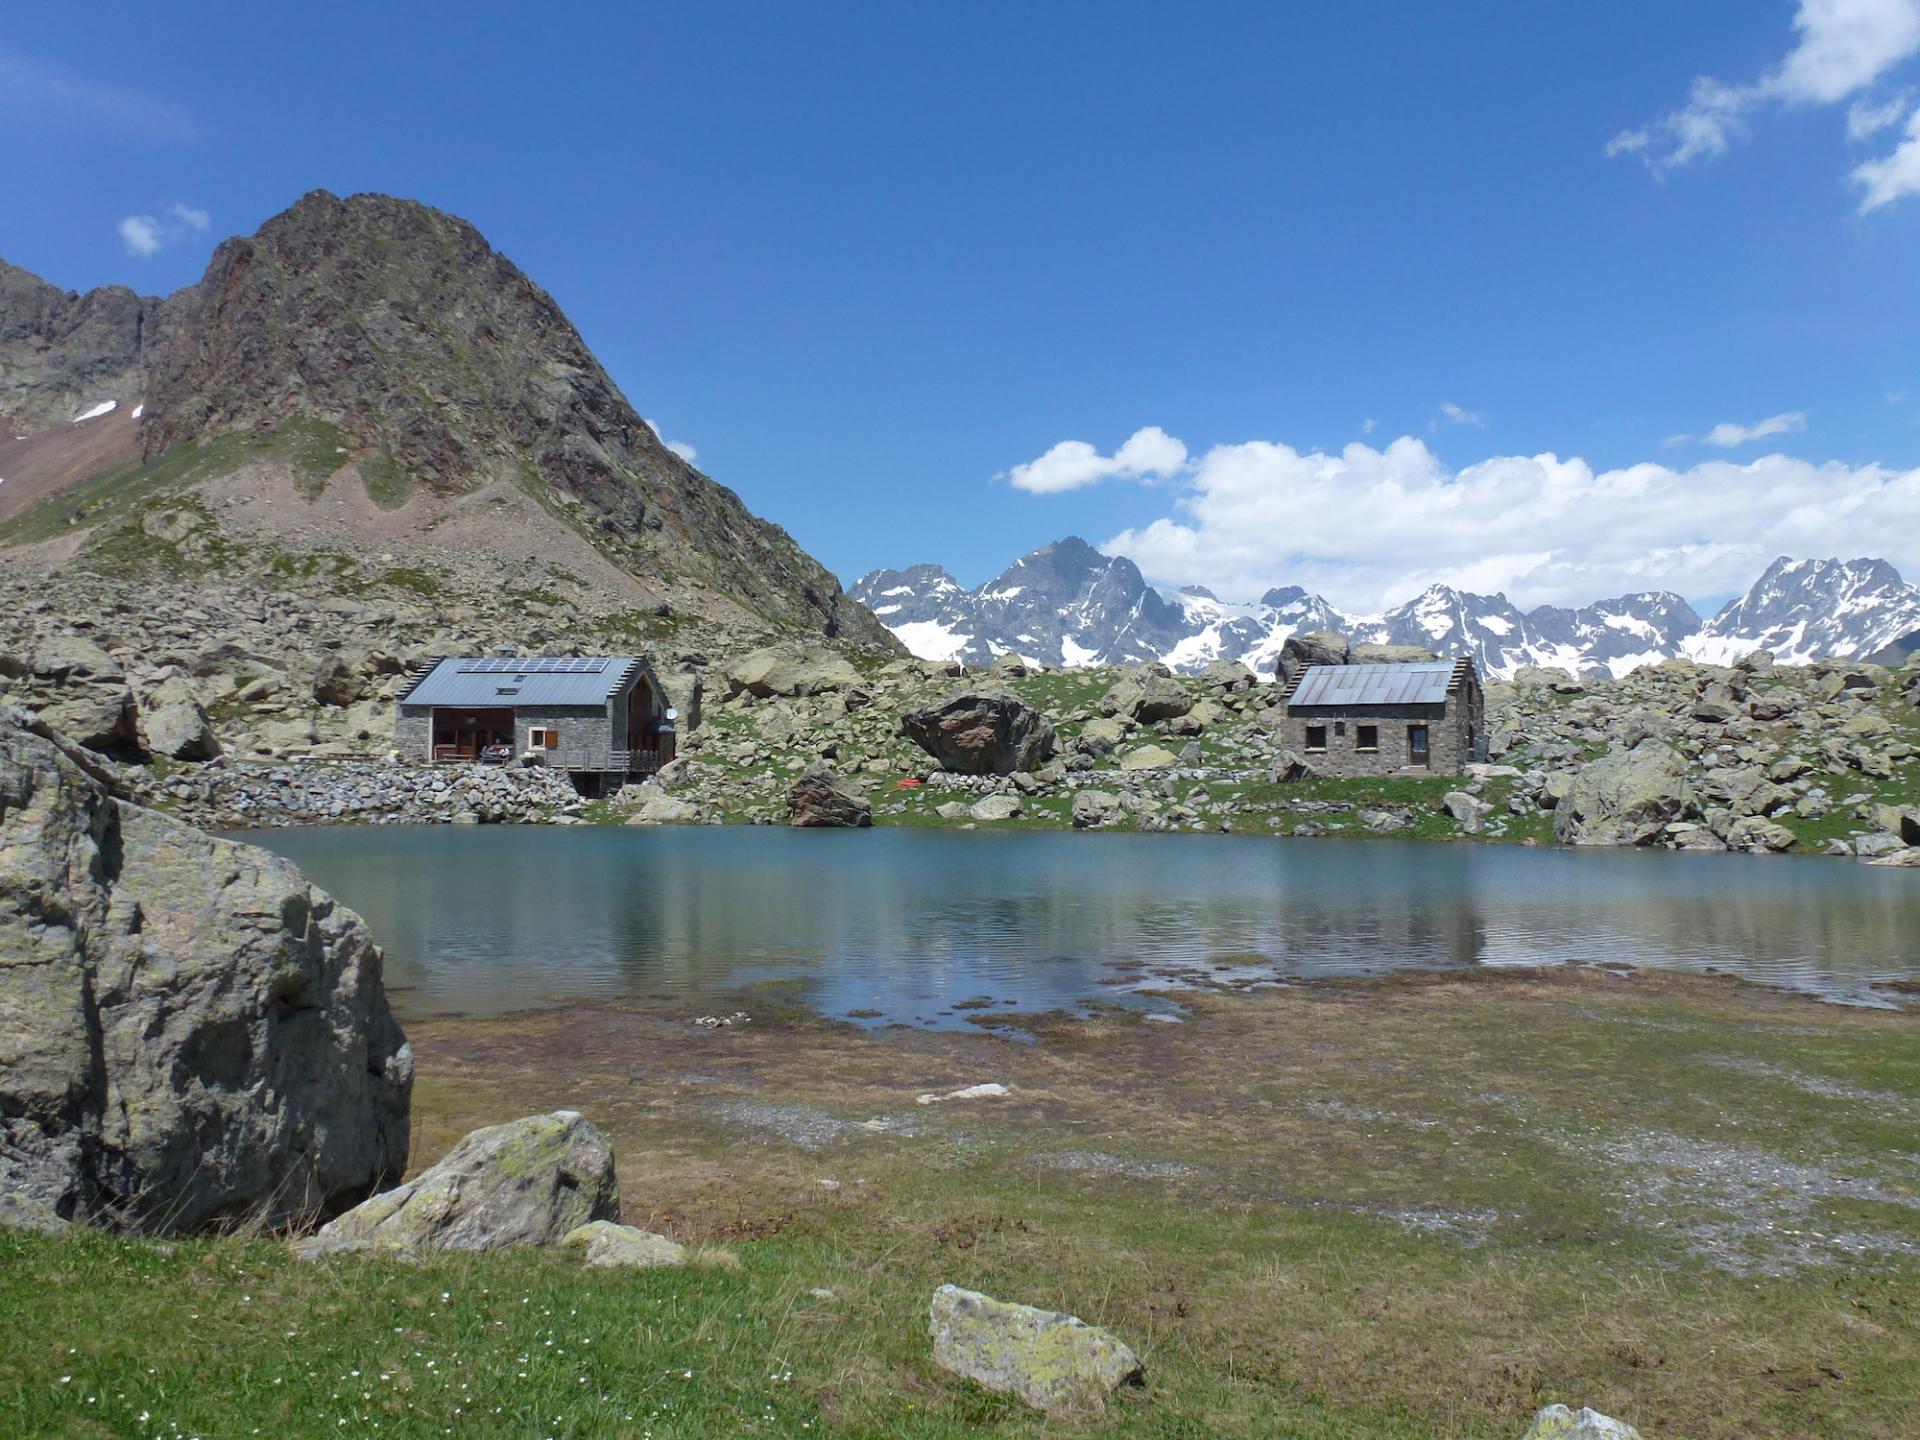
[1449, 737]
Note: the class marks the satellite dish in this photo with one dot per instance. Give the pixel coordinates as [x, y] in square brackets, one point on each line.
[672, 714]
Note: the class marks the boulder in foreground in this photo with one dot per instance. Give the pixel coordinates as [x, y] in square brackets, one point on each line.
[191, 1035]
[528, 1182]
[1053, 1362]
[610, 1245]
[981, 732]
[1557, 1422]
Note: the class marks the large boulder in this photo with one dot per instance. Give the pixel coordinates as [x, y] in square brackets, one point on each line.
[822, 798]
[1094, 808]
[1228, 675]
[790, 670]
[191, 1035]
[173, 725]
[981, 732]
[532, 1181]
[1053, 1362]
[1625, 797]
[1146, 697]
[1316, 647]
[98, 715]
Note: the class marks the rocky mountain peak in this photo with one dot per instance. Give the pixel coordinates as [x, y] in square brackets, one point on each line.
[419, 352]
[1801, 609]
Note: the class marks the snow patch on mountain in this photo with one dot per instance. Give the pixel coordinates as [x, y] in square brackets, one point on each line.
[1068, 604]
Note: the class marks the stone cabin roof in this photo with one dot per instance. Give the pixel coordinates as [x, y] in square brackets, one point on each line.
[1426, 682]
[507, 681]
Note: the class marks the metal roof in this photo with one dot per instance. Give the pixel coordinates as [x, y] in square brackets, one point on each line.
[1423, 683]
[499, 681]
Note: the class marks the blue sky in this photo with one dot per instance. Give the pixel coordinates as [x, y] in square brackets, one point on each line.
[1361, 264]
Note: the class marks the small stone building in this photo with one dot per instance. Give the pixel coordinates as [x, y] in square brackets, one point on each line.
[1426, 717]
[601, 718]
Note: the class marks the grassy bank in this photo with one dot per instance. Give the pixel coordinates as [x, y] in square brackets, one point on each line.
[1401, 1208]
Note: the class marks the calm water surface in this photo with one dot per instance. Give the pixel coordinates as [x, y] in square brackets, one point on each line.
[908, 924]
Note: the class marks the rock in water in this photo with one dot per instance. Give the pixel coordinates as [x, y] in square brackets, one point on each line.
[1626, 797]
[822, 798]
[609, 1245]
[190, 1034]
[1053, 1362]
[1557, 1422]
[981, 732]
[527, 1182]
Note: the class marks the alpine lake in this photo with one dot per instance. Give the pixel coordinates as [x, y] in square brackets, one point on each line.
[951, 929]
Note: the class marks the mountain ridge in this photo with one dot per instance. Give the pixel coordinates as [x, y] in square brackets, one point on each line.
[1099, 609]
[429, 360]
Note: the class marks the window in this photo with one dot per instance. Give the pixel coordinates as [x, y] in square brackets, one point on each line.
[1368, 737]
[542, 737]
[1417, 744]
[1316, 738]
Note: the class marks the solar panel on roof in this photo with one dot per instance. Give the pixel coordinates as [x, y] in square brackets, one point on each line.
[535, 665]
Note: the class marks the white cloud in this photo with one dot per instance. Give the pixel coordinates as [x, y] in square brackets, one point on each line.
[1893, 176]
[1149, 453]
[141, 234]
[35, 94]
[1866, 119]
[1372, 527]
[1727, 435]
[145, 235]
[1844, 47]
[1459, 415]
[679, 447]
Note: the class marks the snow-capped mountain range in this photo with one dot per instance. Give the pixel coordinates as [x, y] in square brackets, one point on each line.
[1068, 604]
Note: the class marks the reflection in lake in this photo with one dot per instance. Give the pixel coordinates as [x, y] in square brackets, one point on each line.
[907, 923]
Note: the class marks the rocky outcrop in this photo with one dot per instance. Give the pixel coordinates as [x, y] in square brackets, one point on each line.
[981, 732]
[190, 1035]
[1319, 647]
[1053, 1362]
[386, 341]
[1626, 797]
[824, 799]
[528, 1182]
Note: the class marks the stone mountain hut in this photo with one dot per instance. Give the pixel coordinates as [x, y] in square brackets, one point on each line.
[601, 718]
[1426, 717]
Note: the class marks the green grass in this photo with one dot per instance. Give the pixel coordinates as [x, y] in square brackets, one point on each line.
[1242, 1223]
[387, 485]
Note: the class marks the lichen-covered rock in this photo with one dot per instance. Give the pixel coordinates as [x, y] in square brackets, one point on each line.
[528, 1182]
[1094, 808]
[981, 732]
[1147, 697]
[1465, 809]
[822, 798]
[996, 807]
[1626, 797]
[173, 725]
[609, 1245]
[657, 807]
[190, 1034]
[790, 670]
[1053, 1362]
[1149, 757]
[1557, 1422]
